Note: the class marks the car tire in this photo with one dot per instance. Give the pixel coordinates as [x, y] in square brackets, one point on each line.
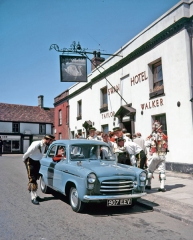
[76, 204]
[44, 188]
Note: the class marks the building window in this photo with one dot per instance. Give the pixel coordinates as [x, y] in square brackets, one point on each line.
[60, 135]
[79, 110]
[42, 128]
[157, 87]
[60, 117]
[105, 128]
[162, 119]
[67, 115]
[104, 100]
[15, 127]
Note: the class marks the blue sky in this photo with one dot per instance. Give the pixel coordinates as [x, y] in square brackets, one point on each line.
[28, 28]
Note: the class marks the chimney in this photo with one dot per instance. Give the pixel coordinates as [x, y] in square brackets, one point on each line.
[96, 60]
[41, 101]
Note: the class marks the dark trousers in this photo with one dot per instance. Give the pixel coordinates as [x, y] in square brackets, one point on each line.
[123, 159]
[33, 168]
[142, 159]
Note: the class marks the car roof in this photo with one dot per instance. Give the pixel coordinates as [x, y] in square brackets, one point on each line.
[79, 141]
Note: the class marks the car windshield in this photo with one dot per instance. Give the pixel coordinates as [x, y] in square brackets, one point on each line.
[91, 152]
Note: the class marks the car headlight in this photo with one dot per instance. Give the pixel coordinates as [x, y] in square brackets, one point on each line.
[142, 176]
[91, 178]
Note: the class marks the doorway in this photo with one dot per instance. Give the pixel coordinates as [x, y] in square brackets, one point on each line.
[127, 125]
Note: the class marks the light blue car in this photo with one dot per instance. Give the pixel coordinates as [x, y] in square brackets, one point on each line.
[87, 171]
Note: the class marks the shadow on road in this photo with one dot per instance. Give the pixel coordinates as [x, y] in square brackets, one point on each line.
[167, 187]
[101, 210]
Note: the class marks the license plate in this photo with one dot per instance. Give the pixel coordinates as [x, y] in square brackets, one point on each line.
[119, 202]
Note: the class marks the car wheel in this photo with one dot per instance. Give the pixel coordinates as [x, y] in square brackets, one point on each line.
[43, 186]
[76, 204]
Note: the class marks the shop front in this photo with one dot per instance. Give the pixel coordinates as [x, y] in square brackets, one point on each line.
[11, 144]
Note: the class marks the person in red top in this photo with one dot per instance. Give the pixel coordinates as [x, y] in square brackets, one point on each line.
[60, 155]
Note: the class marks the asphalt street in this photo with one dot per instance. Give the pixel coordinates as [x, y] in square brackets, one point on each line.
[54, 218]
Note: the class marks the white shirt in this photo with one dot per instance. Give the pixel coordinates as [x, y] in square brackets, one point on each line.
[132, 148]
[141, 142]
[35, 151]
[93, 138]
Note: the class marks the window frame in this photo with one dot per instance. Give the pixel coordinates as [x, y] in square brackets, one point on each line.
[159, 89]
[67, 114]
[104, 99]
[159, 118]
[79, 110]
[60, 117]
[14, 127]
[41, 125]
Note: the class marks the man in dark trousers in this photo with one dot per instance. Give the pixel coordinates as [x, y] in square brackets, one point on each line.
[32, 159]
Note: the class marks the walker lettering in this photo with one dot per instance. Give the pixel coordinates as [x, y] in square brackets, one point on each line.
[138, 78]
[152, 104]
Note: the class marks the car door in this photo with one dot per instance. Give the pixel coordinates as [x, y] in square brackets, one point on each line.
[60, 167]
[52, 164]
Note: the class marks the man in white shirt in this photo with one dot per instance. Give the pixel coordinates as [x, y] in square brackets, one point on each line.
[32, 161]
[132, 149]
[142, 157]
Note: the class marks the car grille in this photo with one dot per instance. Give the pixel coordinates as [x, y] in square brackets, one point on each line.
[117, 186]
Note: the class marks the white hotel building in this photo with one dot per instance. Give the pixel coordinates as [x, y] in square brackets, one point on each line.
[154, 80]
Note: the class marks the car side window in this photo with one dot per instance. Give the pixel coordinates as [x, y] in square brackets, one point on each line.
[61, 151]
[52, 151]
[105, 153]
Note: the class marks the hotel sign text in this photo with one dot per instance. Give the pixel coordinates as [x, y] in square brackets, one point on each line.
[138, 78]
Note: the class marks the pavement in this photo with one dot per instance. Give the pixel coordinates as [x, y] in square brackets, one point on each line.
[177, 201]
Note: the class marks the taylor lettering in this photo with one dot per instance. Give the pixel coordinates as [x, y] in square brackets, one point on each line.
[108, 114]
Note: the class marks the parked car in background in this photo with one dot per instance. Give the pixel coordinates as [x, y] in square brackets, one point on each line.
[87, 171]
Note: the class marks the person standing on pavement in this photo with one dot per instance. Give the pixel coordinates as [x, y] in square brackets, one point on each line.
[105, 138]
[92, 134]
[1, 145]
[32, 161]
[141, 142]
[157, 146]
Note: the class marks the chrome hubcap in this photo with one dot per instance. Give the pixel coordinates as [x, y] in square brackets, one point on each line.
[74, 197]
[42, 184]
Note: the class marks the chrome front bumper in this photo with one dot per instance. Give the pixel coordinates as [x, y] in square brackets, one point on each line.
[109, 197]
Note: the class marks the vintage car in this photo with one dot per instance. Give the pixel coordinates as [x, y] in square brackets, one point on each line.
[87, 171]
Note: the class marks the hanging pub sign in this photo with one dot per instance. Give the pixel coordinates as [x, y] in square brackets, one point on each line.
[73, 69]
